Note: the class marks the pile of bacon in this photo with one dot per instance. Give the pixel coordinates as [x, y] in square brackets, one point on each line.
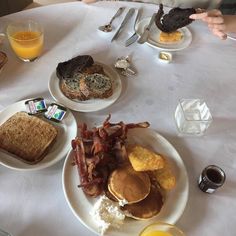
[97, 152]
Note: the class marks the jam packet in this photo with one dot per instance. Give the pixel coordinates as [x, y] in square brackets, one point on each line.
[36, 106]
[55, 112]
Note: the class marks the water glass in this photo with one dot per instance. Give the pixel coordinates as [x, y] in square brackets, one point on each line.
[161, 229]
[26, 39]
[192, 117]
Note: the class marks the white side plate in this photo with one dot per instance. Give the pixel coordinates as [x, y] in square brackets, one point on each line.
[153, 39]
[91, 104]
[67, 131]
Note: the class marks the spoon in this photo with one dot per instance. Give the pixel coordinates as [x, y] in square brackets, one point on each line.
[108, 27]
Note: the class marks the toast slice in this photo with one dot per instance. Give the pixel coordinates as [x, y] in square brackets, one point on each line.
[96, 86]
[71, 87]
[94, 69]
[29, 138]
[70, 68]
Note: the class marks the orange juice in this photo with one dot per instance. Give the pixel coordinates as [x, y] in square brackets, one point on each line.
[156, 233]
[27, 45]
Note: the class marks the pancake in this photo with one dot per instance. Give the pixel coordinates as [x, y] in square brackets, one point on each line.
[128, 185]
[147, 208]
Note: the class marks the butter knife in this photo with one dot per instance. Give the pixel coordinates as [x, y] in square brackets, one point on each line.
[145, 34]
[127, 17]
[134, 36]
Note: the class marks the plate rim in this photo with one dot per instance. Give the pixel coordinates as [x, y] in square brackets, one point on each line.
[38, 166]
[186, 192]
[149, 42]
[52, 83]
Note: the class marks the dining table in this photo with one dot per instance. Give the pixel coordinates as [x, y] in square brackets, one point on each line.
[33, 202]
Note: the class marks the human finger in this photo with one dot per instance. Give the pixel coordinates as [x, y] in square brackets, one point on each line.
[201, 16]
[220, 27]
[198, 16]
[220, 34]
[214, 20]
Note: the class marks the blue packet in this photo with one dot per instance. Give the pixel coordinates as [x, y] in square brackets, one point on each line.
[55, 112]
[36, 106]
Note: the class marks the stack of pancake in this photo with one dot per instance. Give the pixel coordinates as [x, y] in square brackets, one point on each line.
[139, 184]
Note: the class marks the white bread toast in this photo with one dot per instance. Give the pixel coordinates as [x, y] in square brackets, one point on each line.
[28, 137]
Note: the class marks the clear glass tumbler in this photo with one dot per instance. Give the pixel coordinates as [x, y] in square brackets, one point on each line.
[192, 117]
[26, 39]
[161, 229]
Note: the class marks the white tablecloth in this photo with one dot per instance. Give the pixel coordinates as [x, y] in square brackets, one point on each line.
[32, 203]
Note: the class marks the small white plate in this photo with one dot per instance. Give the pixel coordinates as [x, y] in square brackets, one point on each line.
[175, 201]
[67, 131]
[153, 39]
[91, 104]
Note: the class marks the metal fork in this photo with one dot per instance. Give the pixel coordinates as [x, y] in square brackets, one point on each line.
[134, 36]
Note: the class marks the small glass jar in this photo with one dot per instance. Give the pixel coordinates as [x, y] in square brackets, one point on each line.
[211, 178]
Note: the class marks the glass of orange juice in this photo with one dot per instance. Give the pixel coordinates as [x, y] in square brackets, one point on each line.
[161, 229]
[26, 39]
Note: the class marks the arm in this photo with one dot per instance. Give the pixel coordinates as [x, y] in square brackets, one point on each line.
[88, 1]
[219, 24]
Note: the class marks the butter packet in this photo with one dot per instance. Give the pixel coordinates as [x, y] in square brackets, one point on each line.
[35, 106]
[55, 112]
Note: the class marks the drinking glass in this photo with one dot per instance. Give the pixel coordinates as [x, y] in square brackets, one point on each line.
[161, 229]
[26, 39]
[192, 117]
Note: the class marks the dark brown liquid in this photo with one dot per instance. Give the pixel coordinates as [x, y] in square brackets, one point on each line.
[214, 176]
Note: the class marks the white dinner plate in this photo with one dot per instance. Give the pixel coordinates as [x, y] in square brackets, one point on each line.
[153, 39]
[91, 104]
[67, 131]
[175, 201]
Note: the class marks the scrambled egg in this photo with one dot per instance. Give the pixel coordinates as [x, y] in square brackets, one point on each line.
[170, 37]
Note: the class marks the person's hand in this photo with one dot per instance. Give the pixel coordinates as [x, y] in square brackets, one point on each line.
[215, 21]
[88, 1]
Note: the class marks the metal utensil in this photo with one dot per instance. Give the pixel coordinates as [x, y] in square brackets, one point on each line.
[230, 37]
[108, 27]
[127, 17]
[145, 34]
[134, 36]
